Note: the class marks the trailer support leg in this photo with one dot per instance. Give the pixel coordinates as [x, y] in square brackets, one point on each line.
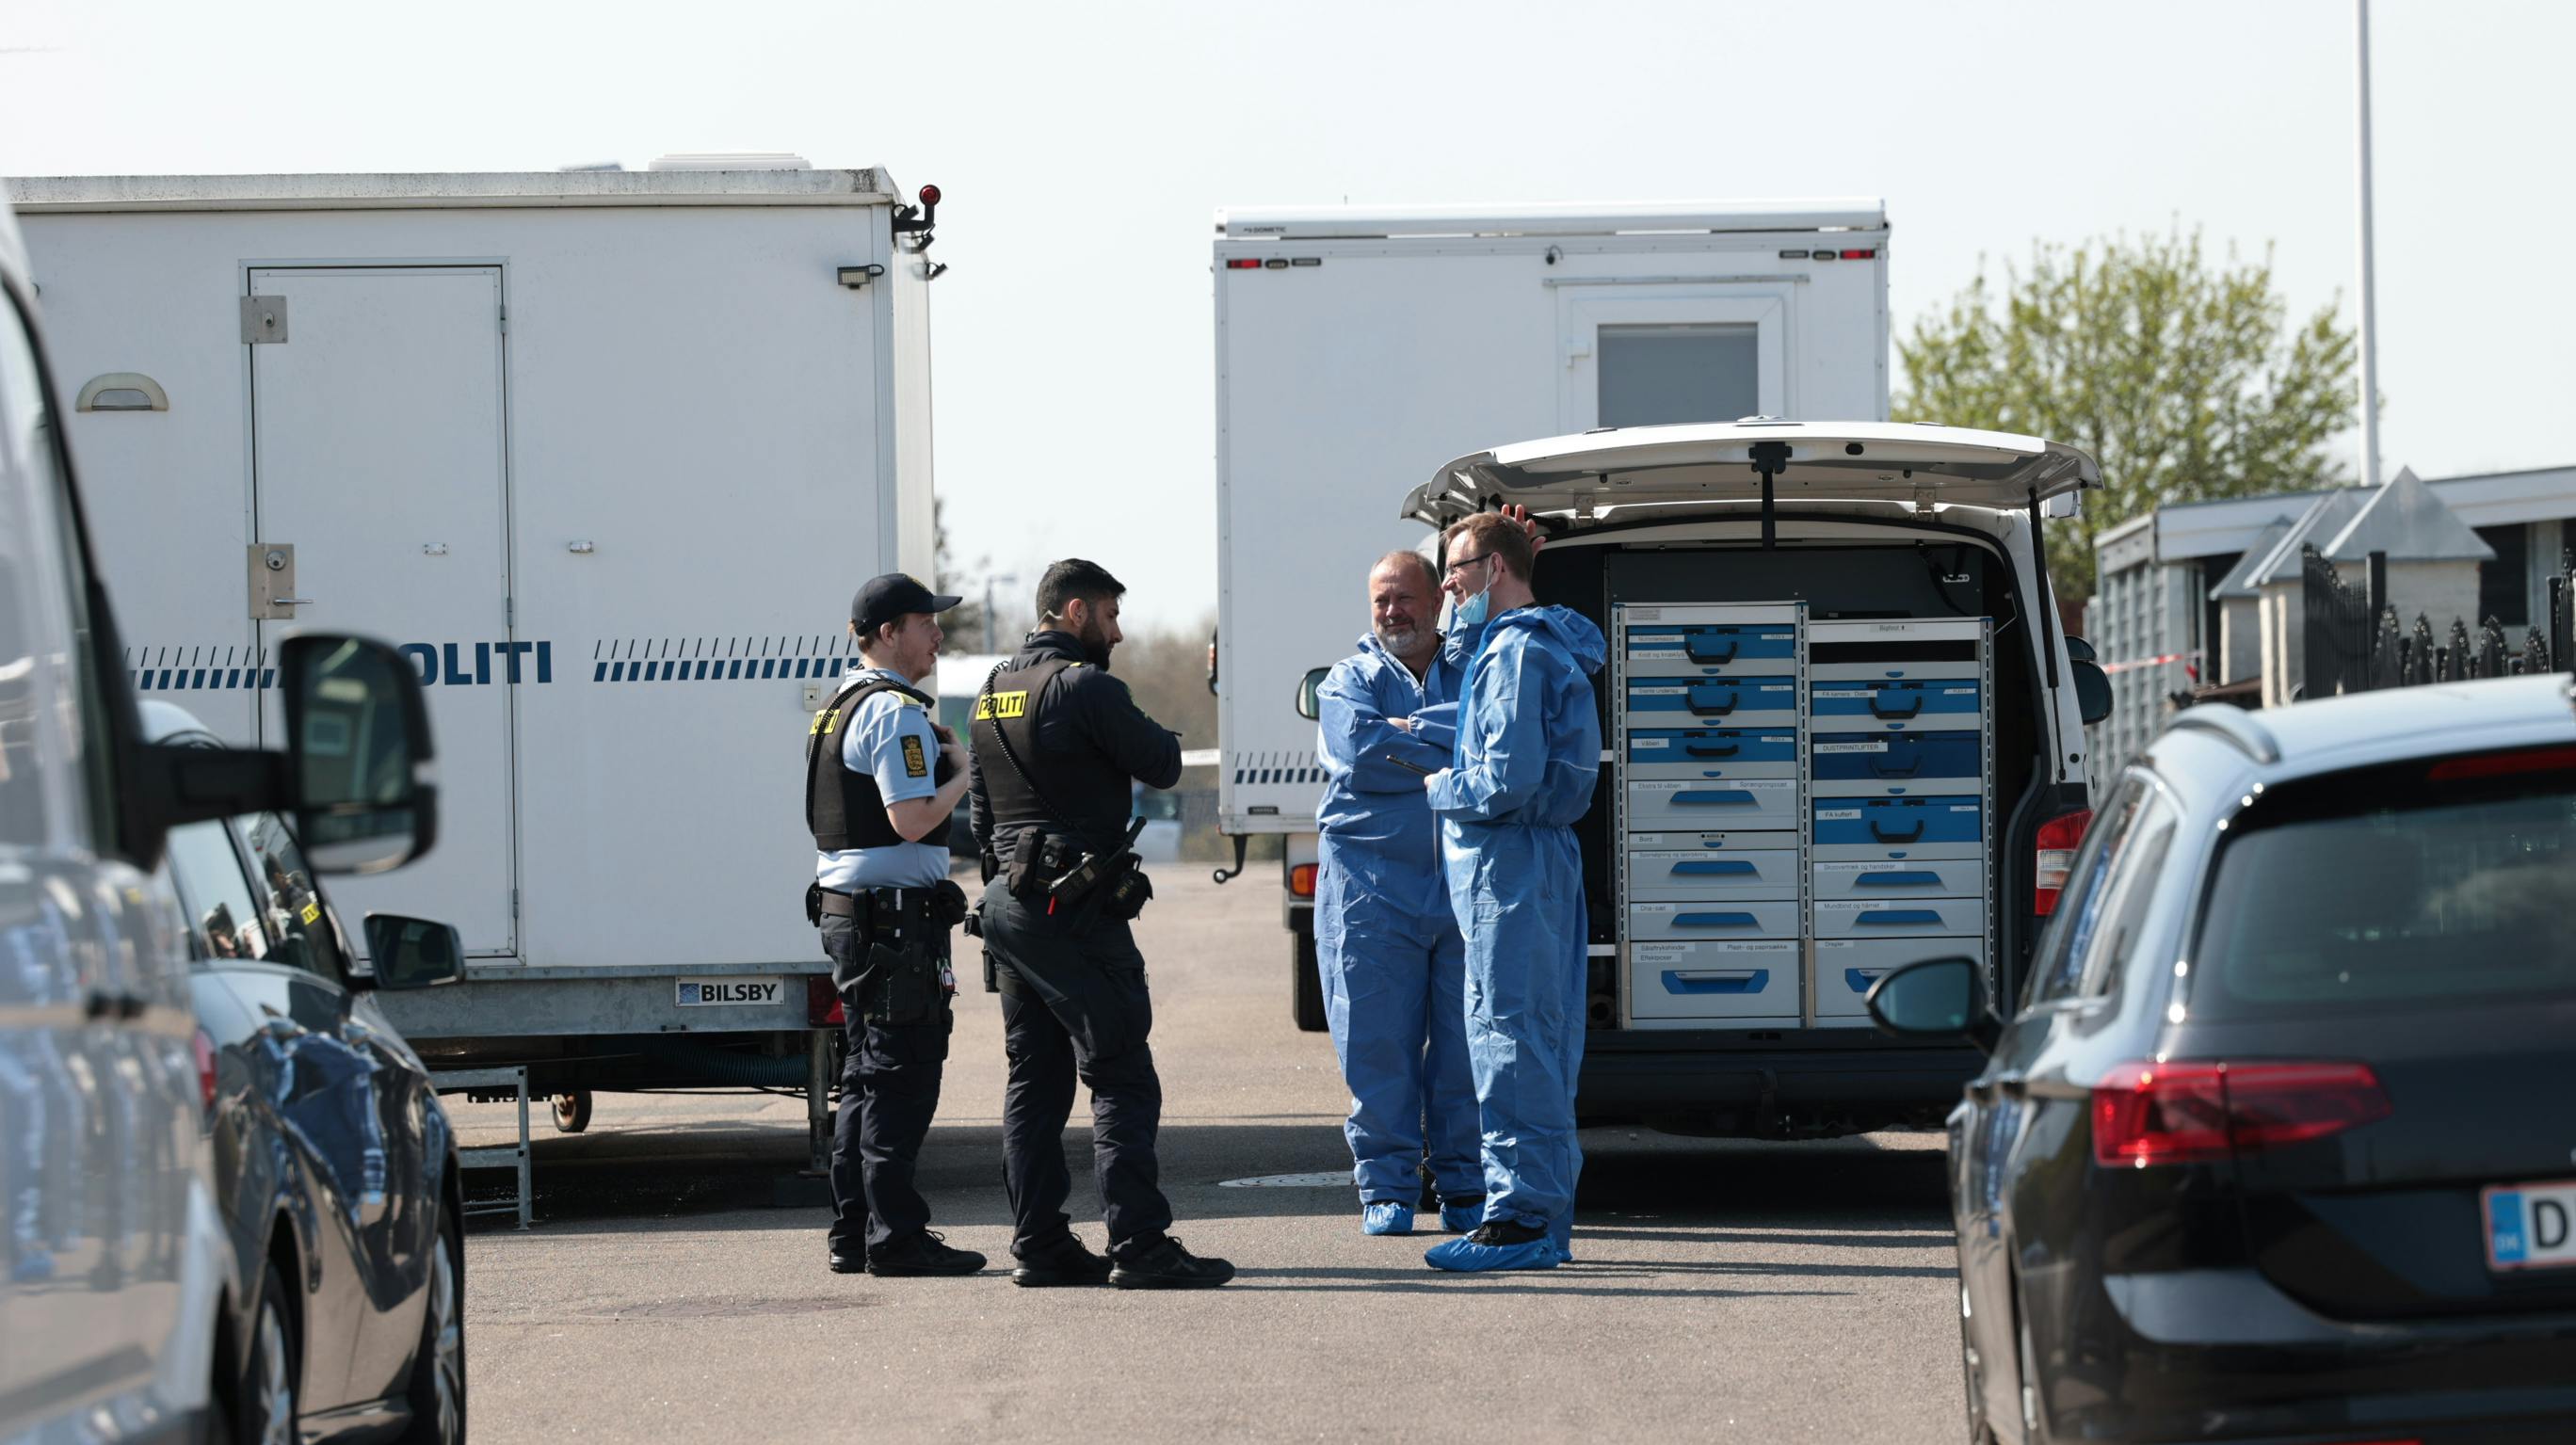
[818, 1103]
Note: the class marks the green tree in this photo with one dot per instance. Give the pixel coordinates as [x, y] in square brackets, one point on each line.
[2180, 376]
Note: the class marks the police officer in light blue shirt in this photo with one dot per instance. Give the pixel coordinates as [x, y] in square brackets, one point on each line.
[881, 779]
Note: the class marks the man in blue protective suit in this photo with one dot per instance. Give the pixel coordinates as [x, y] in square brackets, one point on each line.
[1521, 772]
[1386, 940]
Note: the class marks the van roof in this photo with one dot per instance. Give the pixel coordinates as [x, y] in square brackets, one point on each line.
[866, 186]
[1564, 218]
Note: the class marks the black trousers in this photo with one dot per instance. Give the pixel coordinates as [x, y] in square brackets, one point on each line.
[889, 1091]
[1074, 1006]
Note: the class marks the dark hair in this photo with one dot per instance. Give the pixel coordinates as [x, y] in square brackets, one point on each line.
[1497, 536]
[1430, 571]
[1074, 578]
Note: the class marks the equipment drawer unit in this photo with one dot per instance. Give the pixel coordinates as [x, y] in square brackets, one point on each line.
[1713, 753]
[1667, 868]
[1899, 822]
[1885, 764]
[1900, 917]
[1846, 967]
[1693, 805]
[1711, 649]
[1901, 878]
[1939, 706]
[1906, 651]
[1677, 985]
[1720, 921]
[1672, 700]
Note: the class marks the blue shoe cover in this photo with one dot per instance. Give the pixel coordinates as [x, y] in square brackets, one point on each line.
[1466, 1256]
[1386, 1217]
[1561, 1235]
[1462, 1218]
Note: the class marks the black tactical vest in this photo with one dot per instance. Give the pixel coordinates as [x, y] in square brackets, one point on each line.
[1010, 701]
[844, 808]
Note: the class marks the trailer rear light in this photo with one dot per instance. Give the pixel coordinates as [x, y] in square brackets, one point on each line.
[1244, 263]
[822, 1003]
[203, 1046]
[2194, 1113]
[2059, 837]
[929, 195]
[2498, 765]
[1301, 880]
[1866, 254]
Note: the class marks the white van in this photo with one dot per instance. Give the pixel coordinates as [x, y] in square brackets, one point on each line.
[1842, 732]
[114, 1257]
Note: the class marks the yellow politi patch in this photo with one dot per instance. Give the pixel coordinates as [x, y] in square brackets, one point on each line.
[1001, 705]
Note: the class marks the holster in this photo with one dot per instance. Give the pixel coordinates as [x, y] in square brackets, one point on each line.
[814, 905]
[902, 985]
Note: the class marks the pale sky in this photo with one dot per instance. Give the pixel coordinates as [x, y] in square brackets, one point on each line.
[1083, 149]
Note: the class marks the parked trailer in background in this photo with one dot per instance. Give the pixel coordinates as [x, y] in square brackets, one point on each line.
[606, 453]
[1358, 349]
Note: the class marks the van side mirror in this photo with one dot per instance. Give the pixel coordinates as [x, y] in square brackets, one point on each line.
[413, 952]
[2092, 689]
[357, 740]
[1310, 693]
[1935, 998]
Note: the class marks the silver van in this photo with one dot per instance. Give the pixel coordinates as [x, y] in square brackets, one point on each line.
[114, 1259]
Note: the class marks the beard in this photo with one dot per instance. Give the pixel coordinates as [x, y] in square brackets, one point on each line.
[1400, 641]
[1094, 650]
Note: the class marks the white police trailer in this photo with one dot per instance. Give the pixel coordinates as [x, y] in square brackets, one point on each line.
[1357, 349]
[607, 453]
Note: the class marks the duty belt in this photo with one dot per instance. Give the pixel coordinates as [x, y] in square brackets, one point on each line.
[880, 910]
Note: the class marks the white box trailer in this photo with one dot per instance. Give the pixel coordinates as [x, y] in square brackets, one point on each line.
[606, 454]
[1359, 349]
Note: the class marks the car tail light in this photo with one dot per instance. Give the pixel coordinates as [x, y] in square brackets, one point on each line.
[203, 1045]
[2197, 1112]
[1244, 263]
[822, 1002]
[1301, 880]
[2059, 837]
[2497, 765]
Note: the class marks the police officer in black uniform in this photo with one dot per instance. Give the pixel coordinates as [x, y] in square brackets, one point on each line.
[1058, 744]
[881, 778]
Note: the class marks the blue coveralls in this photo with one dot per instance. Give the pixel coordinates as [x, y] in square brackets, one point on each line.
[1393, 964]
[1527, 754]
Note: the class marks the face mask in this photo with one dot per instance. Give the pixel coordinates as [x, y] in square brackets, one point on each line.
[1473, 611]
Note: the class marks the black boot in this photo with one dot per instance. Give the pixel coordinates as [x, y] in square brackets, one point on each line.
[919, 1254]
[1065, 1262]
[1165, 1265]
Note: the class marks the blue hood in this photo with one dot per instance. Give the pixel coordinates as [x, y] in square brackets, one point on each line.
[1571, 631]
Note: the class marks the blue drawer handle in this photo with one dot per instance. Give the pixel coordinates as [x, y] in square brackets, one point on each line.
[1734, 700]
[1712, 750]
[1886, 837]
[1858, 980]
[1729, 798]
[1691, 646]
[1750, 980]
[1715, 920]
[1891, 771]
[1712, 868]
[1879, 712]
[1897, 918]
[1897, 880]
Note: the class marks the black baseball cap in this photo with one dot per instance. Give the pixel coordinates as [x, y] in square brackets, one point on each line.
[895, 595]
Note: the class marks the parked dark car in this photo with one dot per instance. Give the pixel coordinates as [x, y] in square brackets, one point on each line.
[2278, 1147]
[333, 1162]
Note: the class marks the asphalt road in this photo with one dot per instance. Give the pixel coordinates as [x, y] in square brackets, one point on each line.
[674, 1287]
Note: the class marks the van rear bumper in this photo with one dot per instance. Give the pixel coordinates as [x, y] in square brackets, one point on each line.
[1648, 1072]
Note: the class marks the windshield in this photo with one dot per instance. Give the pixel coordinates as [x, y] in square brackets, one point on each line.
[2436, 882]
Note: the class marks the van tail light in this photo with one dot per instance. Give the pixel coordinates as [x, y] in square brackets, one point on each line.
[823, 1003]
[2198, 1113]
[1301, 880]
[2059, 837]
[203, 1045]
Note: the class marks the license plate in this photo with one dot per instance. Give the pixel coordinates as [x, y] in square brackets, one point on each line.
[730, 992]
[2531, 1226]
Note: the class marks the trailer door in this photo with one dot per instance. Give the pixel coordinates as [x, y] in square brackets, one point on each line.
[1646, 354]
[378, 441]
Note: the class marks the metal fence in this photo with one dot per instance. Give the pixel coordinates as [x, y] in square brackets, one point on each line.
[2355, 641]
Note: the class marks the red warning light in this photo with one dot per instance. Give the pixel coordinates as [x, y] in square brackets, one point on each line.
[1244, 263]
[1870, 254]
[930, 195]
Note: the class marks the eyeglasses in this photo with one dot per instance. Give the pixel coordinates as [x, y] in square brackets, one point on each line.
[1452, 571]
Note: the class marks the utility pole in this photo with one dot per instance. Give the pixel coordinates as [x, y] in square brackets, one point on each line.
[2369, 297]
[989, 579]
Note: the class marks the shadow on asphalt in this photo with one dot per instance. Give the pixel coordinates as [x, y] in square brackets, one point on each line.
[1636, 1187]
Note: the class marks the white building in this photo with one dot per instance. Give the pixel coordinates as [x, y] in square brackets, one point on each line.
[2207, 594]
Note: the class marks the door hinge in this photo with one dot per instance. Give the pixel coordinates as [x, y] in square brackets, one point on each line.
[509, 612]
[263, 320]
[505, 321]
[514, 905]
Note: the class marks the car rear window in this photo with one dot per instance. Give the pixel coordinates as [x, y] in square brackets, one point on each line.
[2441, 881]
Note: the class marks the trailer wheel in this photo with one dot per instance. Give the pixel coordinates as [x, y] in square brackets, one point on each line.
[1305, 977]
[572, 1111]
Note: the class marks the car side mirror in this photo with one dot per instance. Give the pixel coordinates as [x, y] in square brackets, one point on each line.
[413, 952]
[2092, 689]
[1310, 693]
[357, 742]
[1935, 998]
